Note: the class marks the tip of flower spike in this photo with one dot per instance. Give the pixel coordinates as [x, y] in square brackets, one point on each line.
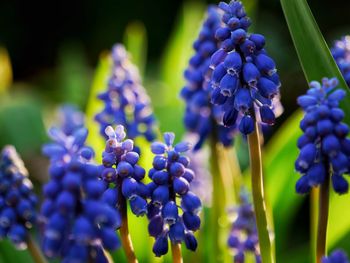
[9, 153]
[120, 132]
[169, 138]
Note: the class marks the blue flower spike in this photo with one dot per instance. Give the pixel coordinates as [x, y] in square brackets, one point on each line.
[338, 256]
[125, 100]
[75, 217]
[341, 55]
[244, 78]
[17, 199]
[324, 146]
[121, 173]
[173, 209]
[202, 118]
[243, 238]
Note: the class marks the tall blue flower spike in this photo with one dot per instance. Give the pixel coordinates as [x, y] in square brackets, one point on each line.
[122, 174]
[201, 116]
[173, 210]
[338, 256]
[17, 200]
[243, 237]
[71, 118]
[125, 100]
[77, 222]
[341, 54]
[324, 148]
[244, 77]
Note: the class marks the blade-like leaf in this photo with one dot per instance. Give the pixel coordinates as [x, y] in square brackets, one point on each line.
[314, 55]
[94, 105]
[135, 39]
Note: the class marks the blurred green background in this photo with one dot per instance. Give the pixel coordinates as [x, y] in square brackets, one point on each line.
[55, 51]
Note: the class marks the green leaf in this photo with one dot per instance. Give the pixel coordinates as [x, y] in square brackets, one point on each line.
[73, 74]
[135, 39]
[314, 55]
[94, 105]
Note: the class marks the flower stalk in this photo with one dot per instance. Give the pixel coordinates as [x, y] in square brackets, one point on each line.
[176, 252]
[266, 250]
[34, 250]
[124, 232]
[218, 204]
[321, 246]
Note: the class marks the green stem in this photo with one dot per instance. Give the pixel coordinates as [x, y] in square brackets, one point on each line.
[35, 251]
[218, 205]
[266, 250]
[321, 247]
[124, 233]
[176, 253]
[313, 221]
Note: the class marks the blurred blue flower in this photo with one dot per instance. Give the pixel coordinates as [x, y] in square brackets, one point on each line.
[324, 148]
[338, 256]
[244, 77]
[171, 185]
[76, 221]
[121, 173]
[341, 54]
[243, 237]
[201, 116]
[17, 200]
[125, 100]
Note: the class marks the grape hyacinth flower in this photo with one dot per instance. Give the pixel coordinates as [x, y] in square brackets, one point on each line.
[170, 187]
[244, 76]
[201, 116]
[341, 54]
[324, 148]
[71, 118]
[122, 174]
[338, 256]
[77, 222]
[125, 100]
[243, 237]
[17, 200]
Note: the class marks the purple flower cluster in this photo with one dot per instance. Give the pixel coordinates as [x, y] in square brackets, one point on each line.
[243, 236]
[17, 200]
[338, 256]
[125, 100]
[201, 116]
[324, 148]
[341, 54]
[244, 77]
[170, 196]
[77, 223]
[122, 173]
